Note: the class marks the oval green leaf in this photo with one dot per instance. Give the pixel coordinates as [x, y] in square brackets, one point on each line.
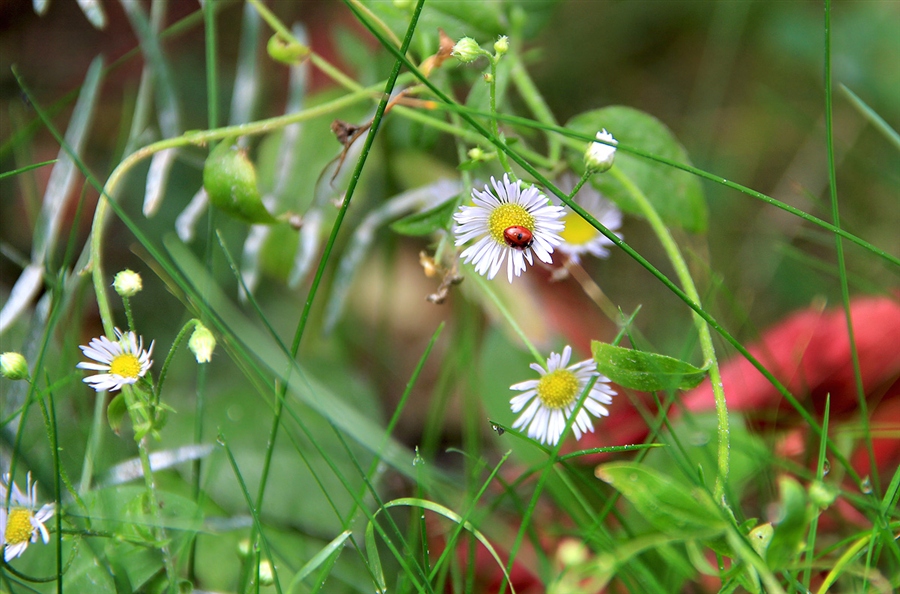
[675, 194]
[427, 222]
[665, 503]
[229, 178]
[647, 372]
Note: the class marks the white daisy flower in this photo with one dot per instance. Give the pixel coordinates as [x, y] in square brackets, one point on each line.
[124, 361]
[509, 223]
[580, 237]
[553, 397]
[19, 523]
[599, 157]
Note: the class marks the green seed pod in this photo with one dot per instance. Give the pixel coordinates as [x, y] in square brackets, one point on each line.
[230, 181]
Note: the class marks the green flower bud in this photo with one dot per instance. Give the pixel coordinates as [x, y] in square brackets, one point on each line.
[501, 46]
[571, 552]
[821, 494]
[128, 283]
[467, 50]
[13, 366]
[599, 157]
[202, 343]
[266, 573]
[229, 178]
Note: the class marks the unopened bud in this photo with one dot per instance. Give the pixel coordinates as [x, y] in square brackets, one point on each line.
[467, 50]
[501, 46]
[202, 343]
[128, 283]
[13, 366]
[599, 157]
[266, 573]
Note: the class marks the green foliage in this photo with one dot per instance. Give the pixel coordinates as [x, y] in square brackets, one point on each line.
[426, 222]
[352, 430]
[647, 372]
[229, 178]
[676, 195]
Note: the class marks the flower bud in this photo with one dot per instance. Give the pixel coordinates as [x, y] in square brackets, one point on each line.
[266, 573]
[599, 157]
[571, 552]
[202, 343]
[501, 46]
[467, 50]
[128, 283]
[822, 494]
[13, 366]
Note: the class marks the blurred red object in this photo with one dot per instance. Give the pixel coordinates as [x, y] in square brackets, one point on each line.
[809, 352]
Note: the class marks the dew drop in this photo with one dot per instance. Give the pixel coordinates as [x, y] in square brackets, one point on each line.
[826, 467]
[866, 486]
[500, 430]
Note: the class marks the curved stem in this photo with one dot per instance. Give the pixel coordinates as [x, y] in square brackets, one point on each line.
[706, 344]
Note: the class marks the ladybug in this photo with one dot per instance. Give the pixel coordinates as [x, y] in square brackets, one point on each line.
[518, 237]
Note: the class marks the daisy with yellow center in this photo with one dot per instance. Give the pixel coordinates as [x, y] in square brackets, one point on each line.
[509, 223]
[579, 236]
[124, 361]
[551, 399]
[19, 522]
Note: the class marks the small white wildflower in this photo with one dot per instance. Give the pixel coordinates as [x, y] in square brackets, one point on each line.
[580, 237]
[124, 361]
[509, 223]
[20, 523]
[552, 398]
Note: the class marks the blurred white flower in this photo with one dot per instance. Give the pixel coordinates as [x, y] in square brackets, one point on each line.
[20, 523]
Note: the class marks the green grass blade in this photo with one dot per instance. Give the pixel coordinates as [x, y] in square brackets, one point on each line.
[872, 116]
[26, 168]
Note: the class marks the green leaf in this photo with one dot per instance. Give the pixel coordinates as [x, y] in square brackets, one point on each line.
[647, 372]
[427, 222]
[666, 504]
[229, 177]
[675, 194]
[791, 527]
[115, 412]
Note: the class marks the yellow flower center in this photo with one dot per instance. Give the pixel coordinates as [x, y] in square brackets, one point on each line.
[558, 389]
[509, 215]
[18, 526]
[577, 231]
[126, 365]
